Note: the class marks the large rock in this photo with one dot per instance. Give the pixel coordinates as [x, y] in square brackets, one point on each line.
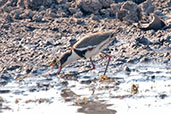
[106, 3]
[89, 6]
[147, 7]
[27, 14]
[115, 8]
[16, 14]
[92, 6]
[35, 4]
[129, 12]
[38, 16]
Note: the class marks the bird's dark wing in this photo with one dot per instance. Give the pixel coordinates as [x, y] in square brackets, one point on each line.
[92, 40]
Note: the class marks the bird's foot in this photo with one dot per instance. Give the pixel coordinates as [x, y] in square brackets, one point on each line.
[91, 68]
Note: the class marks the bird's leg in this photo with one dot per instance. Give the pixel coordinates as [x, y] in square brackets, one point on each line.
[59, 70]
[107, 61]
[93, 66]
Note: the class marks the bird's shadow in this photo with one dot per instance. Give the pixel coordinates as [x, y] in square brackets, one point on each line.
[76, 73]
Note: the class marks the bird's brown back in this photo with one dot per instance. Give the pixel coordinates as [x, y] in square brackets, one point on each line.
[93, 39]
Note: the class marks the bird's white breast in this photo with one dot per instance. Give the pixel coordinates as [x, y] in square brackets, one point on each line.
[72, 58]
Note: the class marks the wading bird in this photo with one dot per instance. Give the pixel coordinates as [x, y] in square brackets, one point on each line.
[88, 46]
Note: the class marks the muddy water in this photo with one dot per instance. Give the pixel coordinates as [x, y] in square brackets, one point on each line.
[144, 88]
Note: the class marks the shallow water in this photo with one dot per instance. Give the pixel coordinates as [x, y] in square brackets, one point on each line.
[43, 92]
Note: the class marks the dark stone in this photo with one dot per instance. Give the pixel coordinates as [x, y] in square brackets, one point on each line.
[36, 4]
[4, 91]
[80, 21]
[57, 44]
[35, 71]
[30, 28]
[48, 43]
[121, 60]
[89, 6]
[162, 96]
[134, 60]
[143, 40]
[64, 83]
[55, 29]
[104, 12]
[119, 1]
[129, 13]
[6, 27]
[3, 83]
[32, 90]
[28, 70]
[145, 60]
[53, 74]
[72, 42]
[147, 7]
[8, 18]
[5, 77]
[38, 17]
[127, 69]
[114, 42]
[14, 67]
[153, 77]
[86, 81]
[78, 14]
[73, 10]
[17, 39]
[95, 17]
[155, 24]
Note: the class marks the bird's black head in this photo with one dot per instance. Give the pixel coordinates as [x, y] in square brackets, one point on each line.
[62, 61]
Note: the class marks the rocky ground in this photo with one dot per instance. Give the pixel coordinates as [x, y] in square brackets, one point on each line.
[32, 32]
[35, 31]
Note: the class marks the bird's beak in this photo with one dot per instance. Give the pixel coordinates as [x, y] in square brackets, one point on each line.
[54, 63]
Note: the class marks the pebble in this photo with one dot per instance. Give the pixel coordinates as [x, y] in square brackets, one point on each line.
[163, 96]
[143, 40]
[89, 6]
[64, 83]
[28, 70]
[78, 14]
[145, 60]
[4, 91]
[133, 60]
[86, 81]
[14, 67]
[127, 69]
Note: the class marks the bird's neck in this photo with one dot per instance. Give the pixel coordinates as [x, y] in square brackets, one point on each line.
[73, 57]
